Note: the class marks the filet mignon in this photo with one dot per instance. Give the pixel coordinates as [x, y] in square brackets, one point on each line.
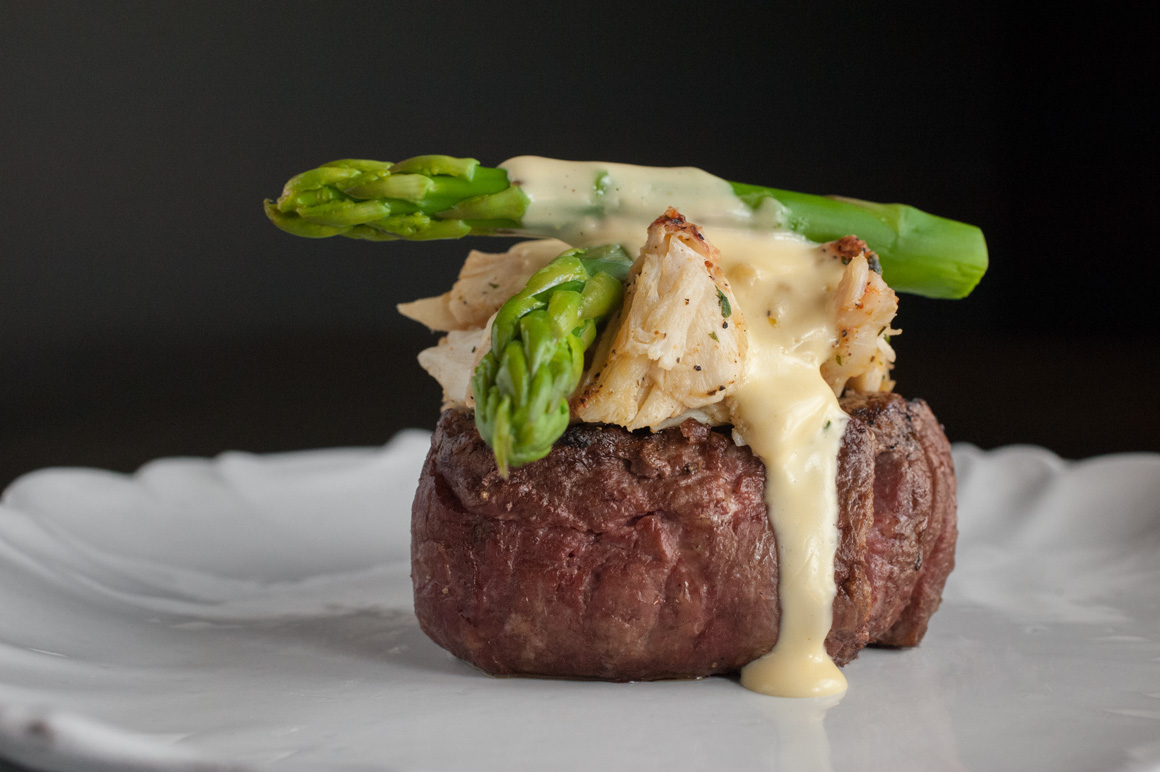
[636, 556]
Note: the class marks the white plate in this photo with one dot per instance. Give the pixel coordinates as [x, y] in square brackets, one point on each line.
[251, 613]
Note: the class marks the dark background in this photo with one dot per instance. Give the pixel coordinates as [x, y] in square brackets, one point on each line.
[148, 308]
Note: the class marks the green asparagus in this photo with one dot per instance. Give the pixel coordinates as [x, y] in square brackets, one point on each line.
[439, 197]
[538, 339]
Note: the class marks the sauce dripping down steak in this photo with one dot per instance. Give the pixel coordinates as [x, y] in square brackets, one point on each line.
[636, 556]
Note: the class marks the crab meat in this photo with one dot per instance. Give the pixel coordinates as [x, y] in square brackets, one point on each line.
[864, 307]
[452, 362]
[485, 282]
[679, 341]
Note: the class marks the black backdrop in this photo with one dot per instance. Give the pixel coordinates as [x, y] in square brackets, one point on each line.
[147, 308]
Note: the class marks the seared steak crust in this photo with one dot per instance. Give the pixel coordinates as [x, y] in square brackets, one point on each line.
[634, 556]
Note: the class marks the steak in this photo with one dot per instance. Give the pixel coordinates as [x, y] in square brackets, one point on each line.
[636, 556]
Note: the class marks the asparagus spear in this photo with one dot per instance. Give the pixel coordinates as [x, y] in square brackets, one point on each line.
[415, 199]
[438, 197]
[538, 340]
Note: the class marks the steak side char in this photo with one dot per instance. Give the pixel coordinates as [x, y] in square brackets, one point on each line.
[636, 556]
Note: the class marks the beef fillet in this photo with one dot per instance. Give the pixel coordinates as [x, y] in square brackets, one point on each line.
[636, 556]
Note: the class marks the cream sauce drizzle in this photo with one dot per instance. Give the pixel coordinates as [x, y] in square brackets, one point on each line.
[790, 417]
[783, 409]
[602, 203]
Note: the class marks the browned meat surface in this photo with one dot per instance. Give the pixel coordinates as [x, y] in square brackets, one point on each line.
[633, 556]
[915, 523]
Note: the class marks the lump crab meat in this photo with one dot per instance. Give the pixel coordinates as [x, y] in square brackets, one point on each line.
[679, 341]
